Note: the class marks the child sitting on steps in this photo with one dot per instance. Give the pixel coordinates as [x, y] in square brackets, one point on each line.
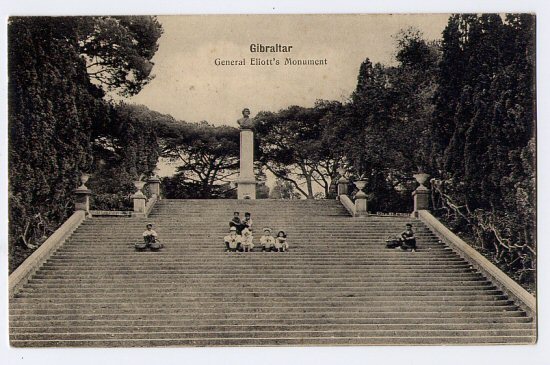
[232, 240]
[247, 244]
[281, 244]
[267, 240]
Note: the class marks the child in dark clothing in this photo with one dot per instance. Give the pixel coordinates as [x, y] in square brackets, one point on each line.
[408, 239]
[236, 222]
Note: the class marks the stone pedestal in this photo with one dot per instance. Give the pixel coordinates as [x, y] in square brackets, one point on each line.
[421, 195]
[139, 199]
[154, 186]
[361, 203]
[139, 204]
[421, 199]
[343, 186]
[246, 184]
[82, 199]
[360, 198]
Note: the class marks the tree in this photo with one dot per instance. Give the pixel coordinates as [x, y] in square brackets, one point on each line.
[291, 146]
[283, 189]
[487, 175]
[53, 111]
[208, 156]
[118, 50]
[124, 148]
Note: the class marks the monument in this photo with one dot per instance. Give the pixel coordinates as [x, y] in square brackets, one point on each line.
[246, 183]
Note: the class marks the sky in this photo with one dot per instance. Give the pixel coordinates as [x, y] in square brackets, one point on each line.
[189, 86]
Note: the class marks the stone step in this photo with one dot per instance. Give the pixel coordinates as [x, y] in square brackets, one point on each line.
[240, 287]
[380, 317]
[97, 297]
[253, 276]
[297, 271]
[132, 308]
[174, 301]
[335, 263]
[279, 341]
[246, 259]
[274, 326]
[244, 320]
[88, 293]
[269, 334]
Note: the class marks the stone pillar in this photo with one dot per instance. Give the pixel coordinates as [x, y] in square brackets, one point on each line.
[343, 186]
[82, 195]
[421, 195]
[360, 198]
[139, 199]
[82, 199]
[154, 186]
[421, 199]
[246, 184]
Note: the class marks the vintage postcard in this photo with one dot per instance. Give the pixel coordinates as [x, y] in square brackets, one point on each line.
[272, 180]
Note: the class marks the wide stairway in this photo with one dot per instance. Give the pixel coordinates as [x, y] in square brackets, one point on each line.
[338, 284]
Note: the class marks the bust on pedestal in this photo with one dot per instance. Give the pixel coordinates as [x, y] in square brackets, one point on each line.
[246, 183]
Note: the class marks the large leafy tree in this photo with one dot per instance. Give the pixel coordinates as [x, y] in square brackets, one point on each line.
[384, 130]
[292, 145]
[207, 158]
[54, 108]
[118, 50]
[125, 148]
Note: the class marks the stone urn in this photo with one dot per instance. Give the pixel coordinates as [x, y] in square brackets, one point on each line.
[360, 184]
[84, 177]
[342, 172]
[421, 178]
[139, 186]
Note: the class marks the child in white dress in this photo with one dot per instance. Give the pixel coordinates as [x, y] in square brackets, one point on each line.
[267, 240]
[232, 240]
[247, 238]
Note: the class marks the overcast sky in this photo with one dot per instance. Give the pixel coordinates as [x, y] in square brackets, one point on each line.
[189, 86]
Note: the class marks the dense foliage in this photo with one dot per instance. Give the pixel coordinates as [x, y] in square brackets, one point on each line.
[57, 111]
[483, 137]
[124, 148]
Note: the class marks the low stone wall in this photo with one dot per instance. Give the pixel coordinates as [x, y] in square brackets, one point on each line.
[111, 213]
[22, 274]
[493, 273]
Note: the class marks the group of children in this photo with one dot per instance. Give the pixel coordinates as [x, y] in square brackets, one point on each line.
[240, 237]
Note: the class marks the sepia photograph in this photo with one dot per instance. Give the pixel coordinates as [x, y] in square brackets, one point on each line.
[272, 180]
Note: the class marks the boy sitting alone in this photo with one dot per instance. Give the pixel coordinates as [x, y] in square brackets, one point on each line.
[150, 238]
[408, 239]
[232, 240]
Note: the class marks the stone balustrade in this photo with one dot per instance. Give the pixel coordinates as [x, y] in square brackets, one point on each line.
[142, 205]
[359, 207]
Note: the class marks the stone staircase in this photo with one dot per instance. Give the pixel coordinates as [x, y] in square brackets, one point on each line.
[338, 285]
